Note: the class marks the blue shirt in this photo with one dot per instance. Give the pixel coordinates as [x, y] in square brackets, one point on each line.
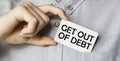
[102, 16]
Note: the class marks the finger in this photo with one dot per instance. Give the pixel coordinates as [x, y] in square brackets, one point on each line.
[41, 41]
[54, 10]
[29, 18]
[37, 18]
[41, 23]
[43, 16]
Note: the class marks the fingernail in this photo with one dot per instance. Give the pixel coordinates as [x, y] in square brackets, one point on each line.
[27, 34]
[26, 31]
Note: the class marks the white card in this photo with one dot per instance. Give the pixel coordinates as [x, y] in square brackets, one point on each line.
[75, 36]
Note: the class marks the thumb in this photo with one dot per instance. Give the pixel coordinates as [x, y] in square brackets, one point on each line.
[41, 41]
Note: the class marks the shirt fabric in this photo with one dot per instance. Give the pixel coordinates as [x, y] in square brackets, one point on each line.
[102, 16]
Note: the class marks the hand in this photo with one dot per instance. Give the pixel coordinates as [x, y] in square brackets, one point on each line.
[22, 24]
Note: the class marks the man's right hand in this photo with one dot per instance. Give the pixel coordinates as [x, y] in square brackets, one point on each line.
[21, 25]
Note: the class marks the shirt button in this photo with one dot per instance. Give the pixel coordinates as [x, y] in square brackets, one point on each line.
[56, 24]
[58, 1]
[70, 7]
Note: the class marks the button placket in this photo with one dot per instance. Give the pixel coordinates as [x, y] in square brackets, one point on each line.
[71, 8]
[58, 1]
[56, 24]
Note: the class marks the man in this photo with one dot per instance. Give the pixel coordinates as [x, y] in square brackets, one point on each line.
[101, 16]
